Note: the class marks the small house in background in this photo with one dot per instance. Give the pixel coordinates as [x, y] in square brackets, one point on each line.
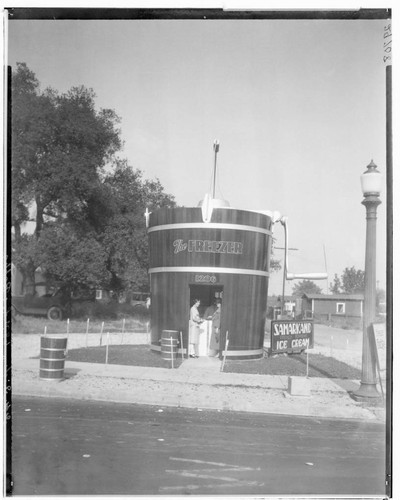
[131, 298]
[106, 295]
[292, 307]
[382, 308]
[18, 286]
[338, 310]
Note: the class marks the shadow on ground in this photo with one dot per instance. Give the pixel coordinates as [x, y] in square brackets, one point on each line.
[130, 355]
[295, 365]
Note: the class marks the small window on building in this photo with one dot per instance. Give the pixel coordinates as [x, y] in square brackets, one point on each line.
[99, 294]
[340, 308]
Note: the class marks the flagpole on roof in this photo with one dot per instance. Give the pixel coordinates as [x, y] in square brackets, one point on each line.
[216, 149]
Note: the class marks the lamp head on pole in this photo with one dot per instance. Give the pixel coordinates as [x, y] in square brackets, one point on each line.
[371, 180]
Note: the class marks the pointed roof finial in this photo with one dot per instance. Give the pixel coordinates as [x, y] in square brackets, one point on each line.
[216, 149]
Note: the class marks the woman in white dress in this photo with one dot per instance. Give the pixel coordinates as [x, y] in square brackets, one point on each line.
[194, 329]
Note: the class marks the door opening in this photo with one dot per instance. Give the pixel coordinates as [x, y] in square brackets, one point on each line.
[209, 330]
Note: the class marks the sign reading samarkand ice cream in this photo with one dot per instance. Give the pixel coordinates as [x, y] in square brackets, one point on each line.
[209, 246]
[291, 336]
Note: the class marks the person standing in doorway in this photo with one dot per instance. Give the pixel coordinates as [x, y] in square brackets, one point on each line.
[216, 328]
[194, 329]
[211, 310]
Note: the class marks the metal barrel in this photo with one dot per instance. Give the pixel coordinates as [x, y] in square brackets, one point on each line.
[169, 345]
[52, 358]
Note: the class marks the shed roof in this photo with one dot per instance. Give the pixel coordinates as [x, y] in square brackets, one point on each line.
[339, 296]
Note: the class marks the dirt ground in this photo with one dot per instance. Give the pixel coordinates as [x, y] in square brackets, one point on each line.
[343, 345]
[189, 388]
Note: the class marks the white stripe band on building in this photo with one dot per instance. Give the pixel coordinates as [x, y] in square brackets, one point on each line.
[209, 225]
[211, 270]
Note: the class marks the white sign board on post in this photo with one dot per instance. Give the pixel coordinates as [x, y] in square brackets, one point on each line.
[291, 336]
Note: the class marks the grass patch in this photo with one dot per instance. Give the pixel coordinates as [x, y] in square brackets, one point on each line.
[129, 355]
[295, 365]
[292, 365]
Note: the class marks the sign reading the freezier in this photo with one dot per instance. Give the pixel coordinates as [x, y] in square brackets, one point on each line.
[208, 246]
[291, 335]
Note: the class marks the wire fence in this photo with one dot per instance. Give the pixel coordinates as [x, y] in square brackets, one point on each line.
[101, 334]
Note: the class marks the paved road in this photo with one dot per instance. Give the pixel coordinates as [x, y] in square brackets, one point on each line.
[338, 338]
[65, 447]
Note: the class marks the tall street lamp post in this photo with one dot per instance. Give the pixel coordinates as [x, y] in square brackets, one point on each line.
[371, 181]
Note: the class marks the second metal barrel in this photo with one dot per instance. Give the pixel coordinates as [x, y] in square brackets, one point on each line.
[169, 344]
[52, 357]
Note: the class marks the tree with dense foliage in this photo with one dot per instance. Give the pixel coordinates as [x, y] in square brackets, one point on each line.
[125, 236]
[89, 226]
[351, 282]
[60, 144]
[335, 287]
[305, 286]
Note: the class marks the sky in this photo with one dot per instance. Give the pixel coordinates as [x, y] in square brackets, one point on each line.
[297, 106]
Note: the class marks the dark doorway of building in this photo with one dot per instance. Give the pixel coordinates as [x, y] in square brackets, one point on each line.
[207, 343]
[207, 295]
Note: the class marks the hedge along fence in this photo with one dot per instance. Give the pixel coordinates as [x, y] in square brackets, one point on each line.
[36, 325]
[109, 310]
